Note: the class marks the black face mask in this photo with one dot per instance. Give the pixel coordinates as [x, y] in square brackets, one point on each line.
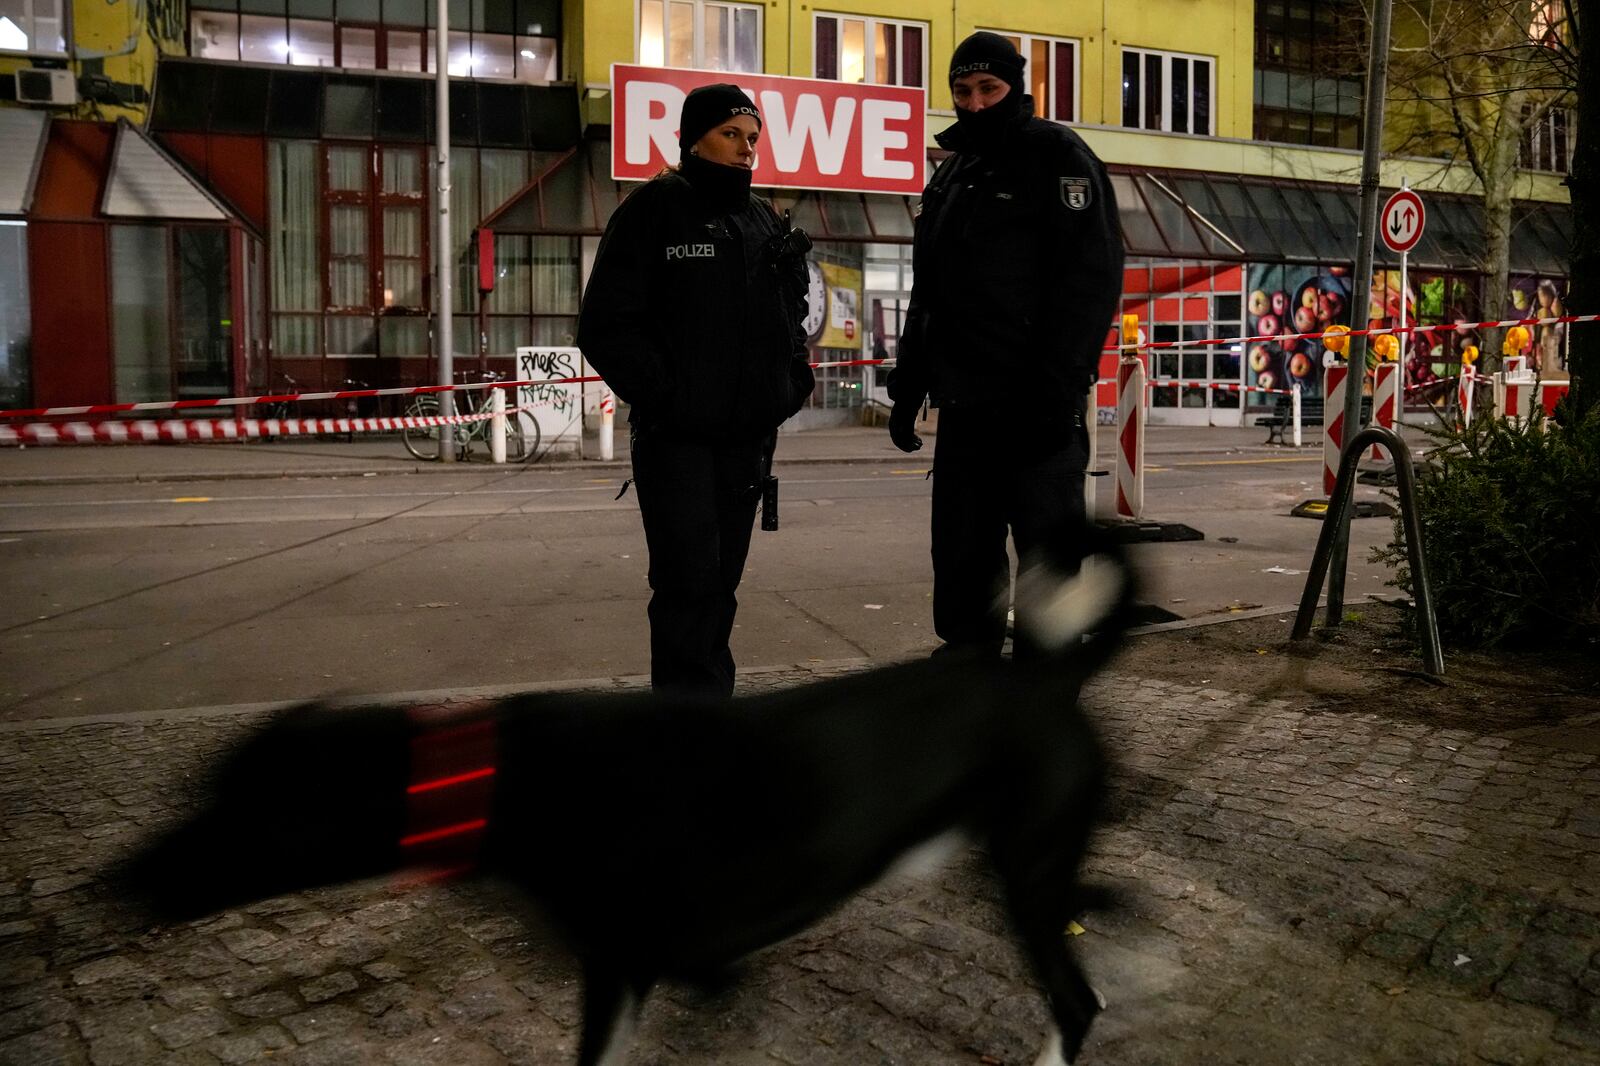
[985, 128]
[726, 187]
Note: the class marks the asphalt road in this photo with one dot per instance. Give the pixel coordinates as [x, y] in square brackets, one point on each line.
[133, 597]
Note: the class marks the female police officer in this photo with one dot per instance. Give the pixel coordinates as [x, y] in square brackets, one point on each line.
[692, 315]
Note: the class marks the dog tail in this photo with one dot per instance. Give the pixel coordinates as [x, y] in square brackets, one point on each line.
[1081, 614]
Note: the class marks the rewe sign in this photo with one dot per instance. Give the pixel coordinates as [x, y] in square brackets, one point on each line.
[815, 134]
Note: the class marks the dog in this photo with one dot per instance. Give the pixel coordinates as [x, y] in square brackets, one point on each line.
[669, 838]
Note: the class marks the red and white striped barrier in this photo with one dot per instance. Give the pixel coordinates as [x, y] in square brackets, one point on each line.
[1130, 438]
[608, 415]
[1465, 387]
[1333, 385]
[1516, 394]
[1385, 402]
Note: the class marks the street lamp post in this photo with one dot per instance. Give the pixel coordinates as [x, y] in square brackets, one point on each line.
[444, 331]
[1361, 284]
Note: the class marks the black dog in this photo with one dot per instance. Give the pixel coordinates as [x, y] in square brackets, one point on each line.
[669, 839]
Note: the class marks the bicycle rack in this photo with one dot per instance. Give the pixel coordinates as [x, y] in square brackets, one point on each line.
[1338, 514]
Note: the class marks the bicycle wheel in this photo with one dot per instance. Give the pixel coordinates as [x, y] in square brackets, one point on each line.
[422, 441]
[516, 439]
[532, 436]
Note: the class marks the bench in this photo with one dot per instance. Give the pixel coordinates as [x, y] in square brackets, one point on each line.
[1282, 416]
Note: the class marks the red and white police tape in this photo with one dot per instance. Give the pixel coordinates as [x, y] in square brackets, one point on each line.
[211, 430]
[200, 430]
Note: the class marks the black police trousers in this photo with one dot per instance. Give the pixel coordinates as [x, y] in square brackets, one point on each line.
[988, 482]
[698, 502]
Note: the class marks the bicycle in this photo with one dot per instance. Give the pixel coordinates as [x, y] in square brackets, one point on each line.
[423, 441]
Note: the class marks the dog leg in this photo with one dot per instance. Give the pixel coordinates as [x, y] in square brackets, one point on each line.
[1038, 862]
[611, 1006]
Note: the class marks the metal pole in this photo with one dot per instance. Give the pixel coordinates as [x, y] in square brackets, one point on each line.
[1361, 297]
[1405, 341]
[444, 331]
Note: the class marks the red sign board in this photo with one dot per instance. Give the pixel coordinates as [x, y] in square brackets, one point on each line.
[1401, 221]
[815, 134]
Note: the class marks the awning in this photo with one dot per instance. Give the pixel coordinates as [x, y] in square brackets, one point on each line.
[23, 133]
[1172, 214]
[574, 194]
[145, 182]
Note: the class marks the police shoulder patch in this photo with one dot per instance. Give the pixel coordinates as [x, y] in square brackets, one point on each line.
[1075, 193]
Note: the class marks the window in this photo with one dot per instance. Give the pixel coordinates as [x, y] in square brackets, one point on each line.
[869, 50]
[15, 317]
[172, 314]
[509, 40]
[1166, 91]
[1547, 142]
[31, 26]
[1050, 70]
[703, 34]
[1309, 81]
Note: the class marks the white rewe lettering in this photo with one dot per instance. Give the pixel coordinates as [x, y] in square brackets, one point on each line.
[692, 251]
[789, 138]
[877, 139]
[652, 109]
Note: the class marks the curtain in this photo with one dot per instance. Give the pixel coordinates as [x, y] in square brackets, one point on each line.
[293, 225]
[16, 329]
[555, 275]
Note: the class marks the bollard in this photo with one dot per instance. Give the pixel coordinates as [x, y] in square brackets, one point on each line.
[1333, 385]
[497, 425]
[1130, 423]
[1464, 389]
[1294, 406]
[608, 416]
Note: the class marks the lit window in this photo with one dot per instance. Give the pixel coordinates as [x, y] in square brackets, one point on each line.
[1050, 71]
[703, 34]
[31, 26]
[1166, 91]
[871, 51]
[214, 35]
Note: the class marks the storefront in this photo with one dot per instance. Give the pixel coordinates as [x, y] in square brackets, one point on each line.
[1223, 255]
[276, 223]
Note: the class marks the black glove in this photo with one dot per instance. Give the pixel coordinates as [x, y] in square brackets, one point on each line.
[903, 426]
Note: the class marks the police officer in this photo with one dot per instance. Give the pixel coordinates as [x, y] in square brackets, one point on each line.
[693, 316]
[1018, 273]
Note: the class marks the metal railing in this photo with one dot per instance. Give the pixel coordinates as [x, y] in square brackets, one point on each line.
[1338, 517]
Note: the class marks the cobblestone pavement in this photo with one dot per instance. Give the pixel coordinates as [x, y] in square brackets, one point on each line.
[1303, 886]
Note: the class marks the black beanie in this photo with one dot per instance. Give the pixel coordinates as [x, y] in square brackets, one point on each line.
[988, 53]
[708, 107]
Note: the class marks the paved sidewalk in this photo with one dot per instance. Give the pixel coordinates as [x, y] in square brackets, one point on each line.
[88, 464]
[1306, 885]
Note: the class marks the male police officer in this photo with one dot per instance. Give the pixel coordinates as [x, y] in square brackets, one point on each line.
[1018, 268]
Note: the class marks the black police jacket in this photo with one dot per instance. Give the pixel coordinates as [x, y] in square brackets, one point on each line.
[693, 312]
[1017, 272]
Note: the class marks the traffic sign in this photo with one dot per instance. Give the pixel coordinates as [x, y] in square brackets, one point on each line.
[1402, 220]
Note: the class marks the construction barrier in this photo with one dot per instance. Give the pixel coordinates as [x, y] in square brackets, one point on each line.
[1130, 424]
[1385, 402]
[1333, 386]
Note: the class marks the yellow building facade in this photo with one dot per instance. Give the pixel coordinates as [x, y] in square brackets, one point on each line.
[1229, 229]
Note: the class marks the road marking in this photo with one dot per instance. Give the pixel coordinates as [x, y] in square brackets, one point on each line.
[1253, 462]
[191, 499]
